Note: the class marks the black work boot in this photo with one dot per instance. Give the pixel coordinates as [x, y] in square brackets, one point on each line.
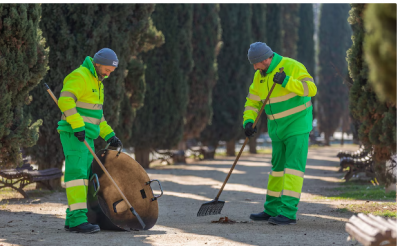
[66, 228]
[260, 216]
[85, 228]
[281, 220]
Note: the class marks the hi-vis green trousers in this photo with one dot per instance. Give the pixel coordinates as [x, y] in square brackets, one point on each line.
[78, 161]
[289, 158]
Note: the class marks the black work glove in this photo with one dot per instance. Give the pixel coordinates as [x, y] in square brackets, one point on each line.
[114, 142]
[279, 77]
[248, 130]
[80, 135]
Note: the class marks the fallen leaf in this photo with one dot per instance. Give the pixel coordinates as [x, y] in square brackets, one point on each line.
[224, 220]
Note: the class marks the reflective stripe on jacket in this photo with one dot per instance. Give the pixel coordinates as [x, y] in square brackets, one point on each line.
[81, 101]
[289, 109]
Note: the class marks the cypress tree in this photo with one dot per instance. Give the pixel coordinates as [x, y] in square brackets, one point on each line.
[291, 21]
[305, 43]
[206, 42]
[135, 85]
[259, 33]
[275, 27]
[380, 49]
[259, 22]
[74, 31]
[135, 82]
[234, 77]
[317, 17]
[160, 122]
[376, 120]
[334, 40]
[23, 63]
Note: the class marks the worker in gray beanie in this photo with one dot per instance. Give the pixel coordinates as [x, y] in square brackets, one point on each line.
[106, 57]
[259, 52]
[81, 102]
[289, 113]
[258, 55]
[105, 61]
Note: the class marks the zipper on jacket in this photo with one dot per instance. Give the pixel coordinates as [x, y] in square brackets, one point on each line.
[99, 90]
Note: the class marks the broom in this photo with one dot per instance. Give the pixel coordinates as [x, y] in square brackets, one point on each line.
[215, 206]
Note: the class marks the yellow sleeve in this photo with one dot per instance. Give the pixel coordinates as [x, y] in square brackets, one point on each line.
[106, 131]
[300, 82]
[73, 89]
[252, 106]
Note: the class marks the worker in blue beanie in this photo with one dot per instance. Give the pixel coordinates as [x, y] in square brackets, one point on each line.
[81, 102]
[289, 113]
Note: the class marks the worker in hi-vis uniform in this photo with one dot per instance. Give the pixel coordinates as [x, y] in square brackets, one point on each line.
[289, 113]
[81, 102]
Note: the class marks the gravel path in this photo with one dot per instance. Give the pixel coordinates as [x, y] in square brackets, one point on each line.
[40, 222]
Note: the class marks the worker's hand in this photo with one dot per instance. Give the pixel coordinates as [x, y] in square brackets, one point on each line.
[114, 142]
[249, 131]
[279, 77]
[80, 135]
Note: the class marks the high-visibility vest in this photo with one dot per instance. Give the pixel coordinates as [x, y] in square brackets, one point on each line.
[289, 108]
[81, 102]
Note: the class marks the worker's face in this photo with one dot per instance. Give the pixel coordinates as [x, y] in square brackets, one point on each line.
[262, 66]
[103, 71]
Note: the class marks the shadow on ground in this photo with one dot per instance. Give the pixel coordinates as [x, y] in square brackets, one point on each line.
[186, 187]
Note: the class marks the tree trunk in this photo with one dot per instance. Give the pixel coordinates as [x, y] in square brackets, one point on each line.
[181, 153]
[230, 148]
[142, 157]
[327, 135]
[253, 145]
[342, 140]
[55, 184]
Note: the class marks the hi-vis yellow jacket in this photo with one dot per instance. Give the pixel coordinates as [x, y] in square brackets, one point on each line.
[289, 108]
[81, 102]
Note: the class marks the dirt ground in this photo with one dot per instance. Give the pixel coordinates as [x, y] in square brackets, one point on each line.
[40, 220]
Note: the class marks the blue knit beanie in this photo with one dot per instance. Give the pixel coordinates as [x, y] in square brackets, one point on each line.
[106, 57]
[258, 52]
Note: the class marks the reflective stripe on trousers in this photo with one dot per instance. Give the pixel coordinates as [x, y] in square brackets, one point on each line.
[76, 193]
[275, 184]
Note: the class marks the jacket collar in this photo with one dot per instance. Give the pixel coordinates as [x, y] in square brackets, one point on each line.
[274, 63]
[88, 63]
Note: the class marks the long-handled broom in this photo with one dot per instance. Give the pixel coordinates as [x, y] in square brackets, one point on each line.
[215, 206]
[133, 211]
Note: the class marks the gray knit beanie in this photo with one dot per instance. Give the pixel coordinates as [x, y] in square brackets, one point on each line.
[258, 52]
[106, 57]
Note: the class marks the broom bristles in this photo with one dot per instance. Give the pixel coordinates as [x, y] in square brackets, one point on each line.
[211, 208]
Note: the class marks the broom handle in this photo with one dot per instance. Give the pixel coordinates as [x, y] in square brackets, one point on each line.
[97, 159]
[247, 139]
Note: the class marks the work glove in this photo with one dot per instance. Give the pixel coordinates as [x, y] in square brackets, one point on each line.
[279, 77]
[249, 131]
[80, 135]
[114, 142]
